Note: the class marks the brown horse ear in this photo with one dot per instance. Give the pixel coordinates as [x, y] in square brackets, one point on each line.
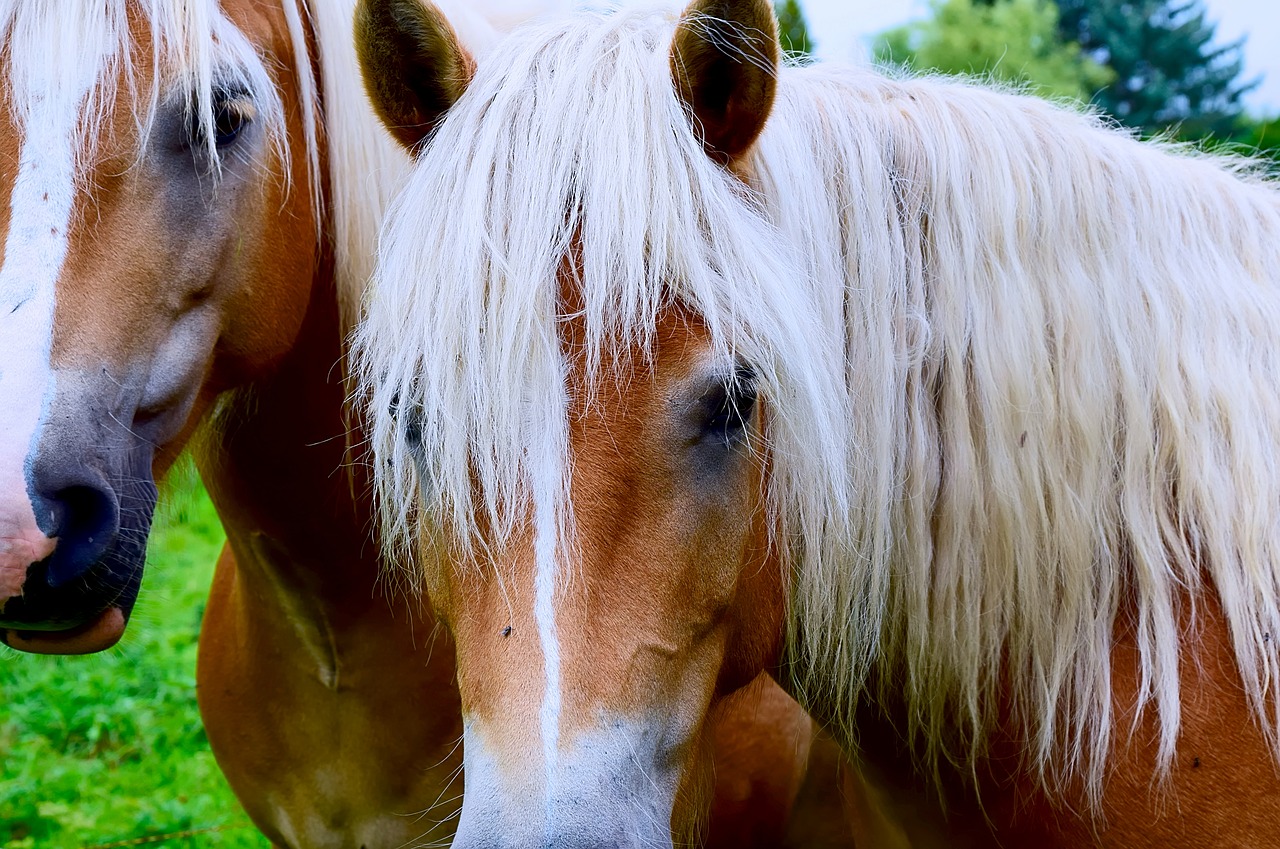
[413, 65]
[724, 61]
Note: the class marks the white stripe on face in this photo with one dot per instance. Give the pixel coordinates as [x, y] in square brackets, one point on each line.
[544, 613]
[40, 214]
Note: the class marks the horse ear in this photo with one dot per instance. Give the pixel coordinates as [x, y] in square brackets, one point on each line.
[724, 61]
[413, 64]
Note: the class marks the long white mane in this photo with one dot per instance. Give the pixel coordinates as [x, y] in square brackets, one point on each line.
[365, 163]
[1023, 371]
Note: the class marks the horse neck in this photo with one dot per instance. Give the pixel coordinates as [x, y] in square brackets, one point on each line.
[276, 462]
[276, 456]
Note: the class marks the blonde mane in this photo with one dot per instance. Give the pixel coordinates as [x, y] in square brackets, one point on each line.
[1022, 370]
[365, 164]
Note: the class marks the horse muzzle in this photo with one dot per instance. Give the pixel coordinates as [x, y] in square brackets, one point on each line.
[69, 588]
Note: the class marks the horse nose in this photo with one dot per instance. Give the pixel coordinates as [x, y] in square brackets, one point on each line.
[76, 506]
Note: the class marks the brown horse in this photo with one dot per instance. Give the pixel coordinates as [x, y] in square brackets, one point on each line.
[958, 410]
[192, 204]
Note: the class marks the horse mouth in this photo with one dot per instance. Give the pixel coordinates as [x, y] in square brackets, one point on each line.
[98, 634]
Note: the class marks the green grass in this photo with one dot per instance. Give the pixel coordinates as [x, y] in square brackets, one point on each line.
[96, 751]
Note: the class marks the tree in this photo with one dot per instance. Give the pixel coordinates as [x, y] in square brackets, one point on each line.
[1012, 40]
[1167, 75]
[793, 30]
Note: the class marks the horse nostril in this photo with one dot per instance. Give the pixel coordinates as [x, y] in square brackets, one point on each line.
[84, 521]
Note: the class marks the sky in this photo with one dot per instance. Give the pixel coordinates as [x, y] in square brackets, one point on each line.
[841, 29]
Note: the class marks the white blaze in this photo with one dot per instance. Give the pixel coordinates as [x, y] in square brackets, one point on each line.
[34, 251]
[545, 548]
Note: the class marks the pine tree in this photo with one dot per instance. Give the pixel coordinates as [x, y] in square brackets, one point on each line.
[793, 30]
[1168, 73]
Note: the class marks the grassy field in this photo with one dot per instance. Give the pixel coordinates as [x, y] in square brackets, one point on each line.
[108, 750]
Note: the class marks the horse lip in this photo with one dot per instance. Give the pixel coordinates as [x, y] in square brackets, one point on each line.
[98, 634]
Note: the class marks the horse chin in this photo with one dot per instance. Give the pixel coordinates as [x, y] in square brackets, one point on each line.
[99, 634]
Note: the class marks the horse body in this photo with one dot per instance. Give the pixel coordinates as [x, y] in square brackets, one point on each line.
[955, 409]
[304, 658]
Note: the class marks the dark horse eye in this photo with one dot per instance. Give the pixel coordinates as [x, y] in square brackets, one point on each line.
[230, 117]
[228, 121]
[730, 405]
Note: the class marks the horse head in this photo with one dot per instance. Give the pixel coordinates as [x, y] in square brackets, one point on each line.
[157, 161]
[592, 455]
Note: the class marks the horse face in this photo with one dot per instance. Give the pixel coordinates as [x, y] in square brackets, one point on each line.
[141, 275]
[592, 701]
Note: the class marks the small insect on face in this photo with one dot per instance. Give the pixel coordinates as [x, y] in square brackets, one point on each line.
[159, 248]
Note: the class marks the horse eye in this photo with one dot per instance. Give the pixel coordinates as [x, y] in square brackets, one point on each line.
[231, 114]
[413, 434]
[729, 407]
[228, 121]
[410, 425]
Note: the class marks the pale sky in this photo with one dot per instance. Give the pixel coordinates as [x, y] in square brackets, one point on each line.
[841, 29]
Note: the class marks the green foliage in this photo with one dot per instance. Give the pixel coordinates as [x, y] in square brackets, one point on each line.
[110, 747]
[1262, 136]
[1011, 40]
[793, 30]
[1167, 75]
[1256, 138]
